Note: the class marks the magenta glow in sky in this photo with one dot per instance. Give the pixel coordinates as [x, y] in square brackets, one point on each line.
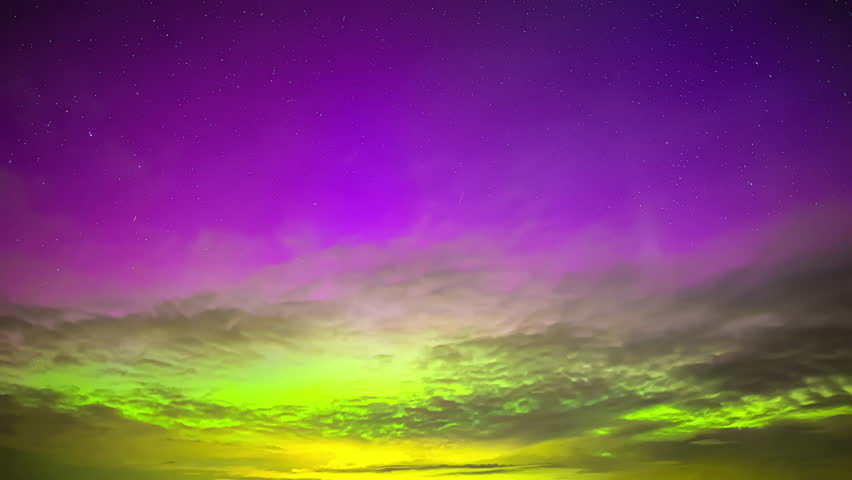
[158, 147]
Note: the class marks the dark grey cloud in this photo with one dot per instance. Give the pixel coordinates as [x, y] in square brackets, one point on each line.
[420, 467]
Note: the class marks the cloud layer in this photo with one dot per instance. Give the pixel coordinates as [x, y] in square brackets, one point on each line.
[432, 363]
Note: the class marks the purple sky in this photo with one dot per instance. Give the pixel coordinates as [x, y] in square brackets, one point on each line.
[169, 148]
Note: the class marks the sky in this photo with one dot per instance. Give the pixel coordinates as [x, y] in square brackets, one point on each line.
[408, 240]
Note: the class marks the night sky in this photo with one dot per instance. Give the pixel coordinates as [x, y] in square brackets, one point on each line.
[598, 240]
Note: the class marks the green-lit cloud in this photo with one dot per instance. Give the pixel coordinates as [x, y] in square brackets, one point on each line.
[405, 374]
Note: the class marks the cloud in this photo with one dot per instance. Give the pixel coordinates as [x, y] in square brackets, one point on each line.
[381, 353]
[405, 468]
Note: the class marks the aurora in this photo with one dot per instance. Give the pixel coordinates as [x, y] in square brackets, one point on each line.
[426, 240]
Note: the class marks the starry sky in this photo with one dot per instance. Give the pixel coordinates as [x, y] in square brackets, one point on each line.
[411, 239]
